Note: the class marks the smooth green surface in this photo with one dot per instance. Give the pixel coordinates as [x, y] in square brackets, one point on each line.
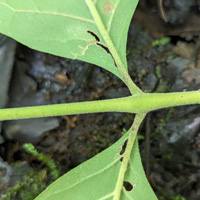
[60, 27]
[96, 178]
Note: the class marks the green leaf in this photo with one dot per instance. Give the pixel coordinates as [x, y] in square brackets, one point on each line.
[68, 28]
[97, 177]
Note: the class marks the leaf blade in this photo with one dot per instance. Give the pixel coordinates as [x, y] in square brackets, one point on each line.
[96, 178]
[118, 61]
[60, 28]
[118, 29]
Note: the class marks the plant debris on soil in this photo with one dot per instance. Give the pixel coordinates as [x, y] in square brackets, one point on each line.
[169, 139]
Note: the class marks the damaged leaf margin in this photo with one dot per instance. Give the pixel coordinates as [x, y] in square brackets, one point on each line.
[60, 28]
[99, 180]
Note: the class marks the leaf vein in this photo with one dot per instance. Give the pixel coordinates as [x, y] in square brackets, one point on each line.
[49, 13]
[91, 176]
[111, 18]
[107, 196]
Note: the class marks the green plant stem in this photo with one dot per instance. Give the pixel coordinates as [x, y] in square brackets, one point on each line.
[141, 103]
[126, 156]
[127, 80]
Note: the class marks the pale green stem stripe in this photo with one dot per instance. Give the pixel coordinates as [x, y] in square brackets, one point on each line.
[127, 80]
[66, 109]
[126, 157]
[142, 103]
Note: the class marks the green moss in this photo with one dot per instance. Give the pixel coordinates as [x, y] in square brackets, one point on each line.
[160, 42]
[29, 148]
[167, 196]
[161, 88]
[170, 57]
[161, 125]
[27, 189]
[33, 182]
[178, 197]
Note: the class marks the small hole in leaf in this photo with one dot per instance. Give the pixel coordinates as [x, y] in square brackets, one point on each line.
[123, 147]
[104, 47]
[107, 50]
[94, 35]
[128, 186]
[121, 159]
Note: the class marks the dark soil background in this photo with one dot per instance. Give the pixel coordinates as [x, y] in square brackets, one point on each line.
[169, 139]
